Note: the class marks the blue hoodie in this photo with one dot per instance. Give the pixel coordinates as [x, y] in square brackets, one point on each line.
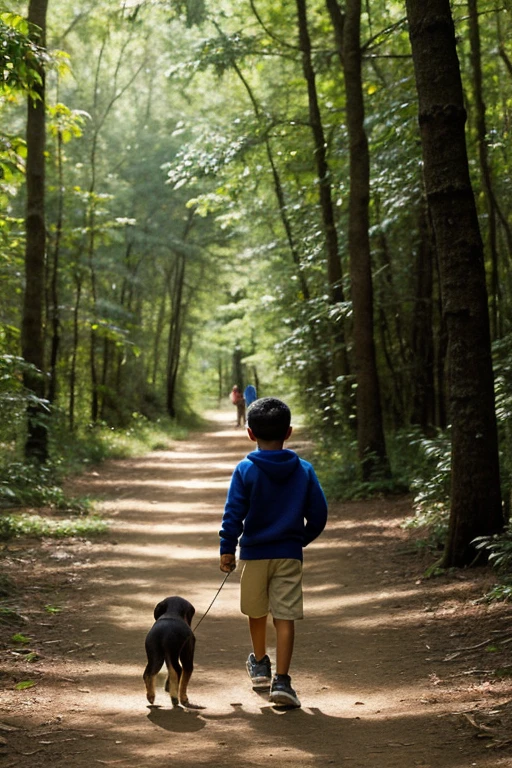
[275, 506]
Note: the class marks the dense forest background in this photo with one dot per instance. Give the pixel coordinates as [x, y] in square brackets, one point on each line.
[239, 193]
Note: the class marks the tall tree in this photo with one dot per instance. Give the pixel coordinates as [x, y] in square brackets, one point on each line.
[334, 271]
[422, 336]
[481, 127]
[36, 446]
[370, 429]
[475, 479]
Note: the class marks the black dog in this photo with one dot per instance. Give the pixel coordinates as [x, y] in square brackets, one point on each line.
[171, 639]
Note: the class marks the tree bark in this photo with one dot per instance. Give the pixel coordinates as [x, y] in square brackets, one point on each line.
[481, 128]
[74, 350]
[54, 280]
[334, 271]
[175, 333]
[370, 430]
[177, 319]
[475, 480]
[32, 333]
[422, 337]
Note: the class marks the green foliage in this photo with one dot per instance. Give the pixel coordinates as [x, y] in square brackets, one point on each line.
[24, 685]
[20, 638]
[20, 57]
[14, 526]
[432, 491]
[499, 593]
[336, 462]
[431, 522]
[95, 443]
[33, 485]
[52, 609]
[171, 145]
[498, 550]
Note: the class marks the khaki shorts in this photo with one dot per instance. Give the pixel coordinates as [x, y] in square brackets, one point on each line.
[273, 586]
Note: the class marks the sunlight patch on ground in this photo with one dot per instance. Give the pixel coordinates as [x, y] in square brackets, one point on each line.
[135, 505]
[395, 621]
[123, 690]
[159, 483]
[162, 459]
[157, 552]
[140, 614]
[172, 528]
[130, 620]
[331, 605]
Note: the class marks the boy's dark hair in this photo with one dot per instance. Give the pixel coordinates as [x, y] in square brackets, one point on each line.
[269, 418]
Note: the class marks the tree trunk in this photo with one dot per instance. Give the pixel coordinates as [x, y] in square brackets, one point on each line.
[238, 368]
[422, 338]
[54, 291]
[32, 335]
[334, 272]
[481, 128]
[178, 312]
[157, 335]
[475, 488]
[175, 330]
[370, 430]
[74, 351]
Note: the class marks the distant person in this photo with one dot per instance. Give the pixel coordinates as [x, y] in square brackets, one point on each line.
[238, 400]
[275, 506]
[249, 395]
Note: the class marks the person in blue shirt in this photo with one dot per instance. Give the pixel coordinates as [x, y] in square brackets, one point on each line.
[275, 507]
[250, 395]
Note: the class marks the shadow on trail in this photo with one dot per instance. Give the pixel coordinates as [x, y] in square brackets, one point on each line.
[359, 663]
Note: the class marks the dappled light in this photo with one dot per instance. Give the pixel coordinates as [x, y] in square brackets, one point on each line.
[203, 207]
[365, 664]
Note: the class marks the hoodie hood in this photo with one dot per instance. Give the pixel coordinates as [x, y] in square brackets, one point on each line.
[277, 465]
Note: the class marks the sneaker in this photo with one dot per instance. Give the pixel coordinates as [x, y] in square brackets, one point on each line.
[259, 671]
[282, 693]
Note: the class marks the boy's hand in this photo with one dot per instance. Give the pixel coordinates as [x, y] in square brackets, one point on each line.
[227, 563]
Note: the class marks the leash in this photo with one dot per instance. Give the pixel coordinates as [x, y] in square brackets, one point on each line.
[212, 602]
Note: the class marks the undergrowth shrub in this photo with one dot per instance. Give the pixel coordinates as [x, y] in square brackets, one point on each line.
[498, 549]
[431, 488]
[338, 467]
[13, 526]
[95, 443]
[32, 485]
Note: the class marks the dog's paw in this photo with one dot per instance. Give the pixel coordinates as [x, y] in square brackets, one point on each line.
[151, 699]
[175, 701]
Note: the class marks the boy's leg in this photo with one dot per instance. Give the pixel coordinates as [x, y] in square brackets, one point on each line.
[258, 663]
[254, 604]
[281, 691]
[258, 630]
[285, 601]
[285, 637]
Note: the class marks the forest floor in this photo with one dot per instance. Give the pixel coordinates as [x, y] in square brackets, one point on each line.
[393, 671]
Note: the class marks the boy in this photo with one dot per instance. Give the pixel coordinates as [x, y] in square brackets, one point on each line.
[275, 506]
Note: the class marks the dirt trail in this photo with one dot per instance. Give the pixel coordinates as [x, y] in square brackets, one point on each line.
[368, 657]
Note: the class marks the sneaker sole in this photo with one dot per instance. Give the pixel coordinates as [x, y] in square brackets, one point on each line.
[260, 682]
[282, 699]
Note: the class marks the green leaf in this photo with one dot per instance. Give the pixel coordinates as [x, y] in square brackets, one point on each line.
[52, 609]
[24, 685]
[19, 638]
